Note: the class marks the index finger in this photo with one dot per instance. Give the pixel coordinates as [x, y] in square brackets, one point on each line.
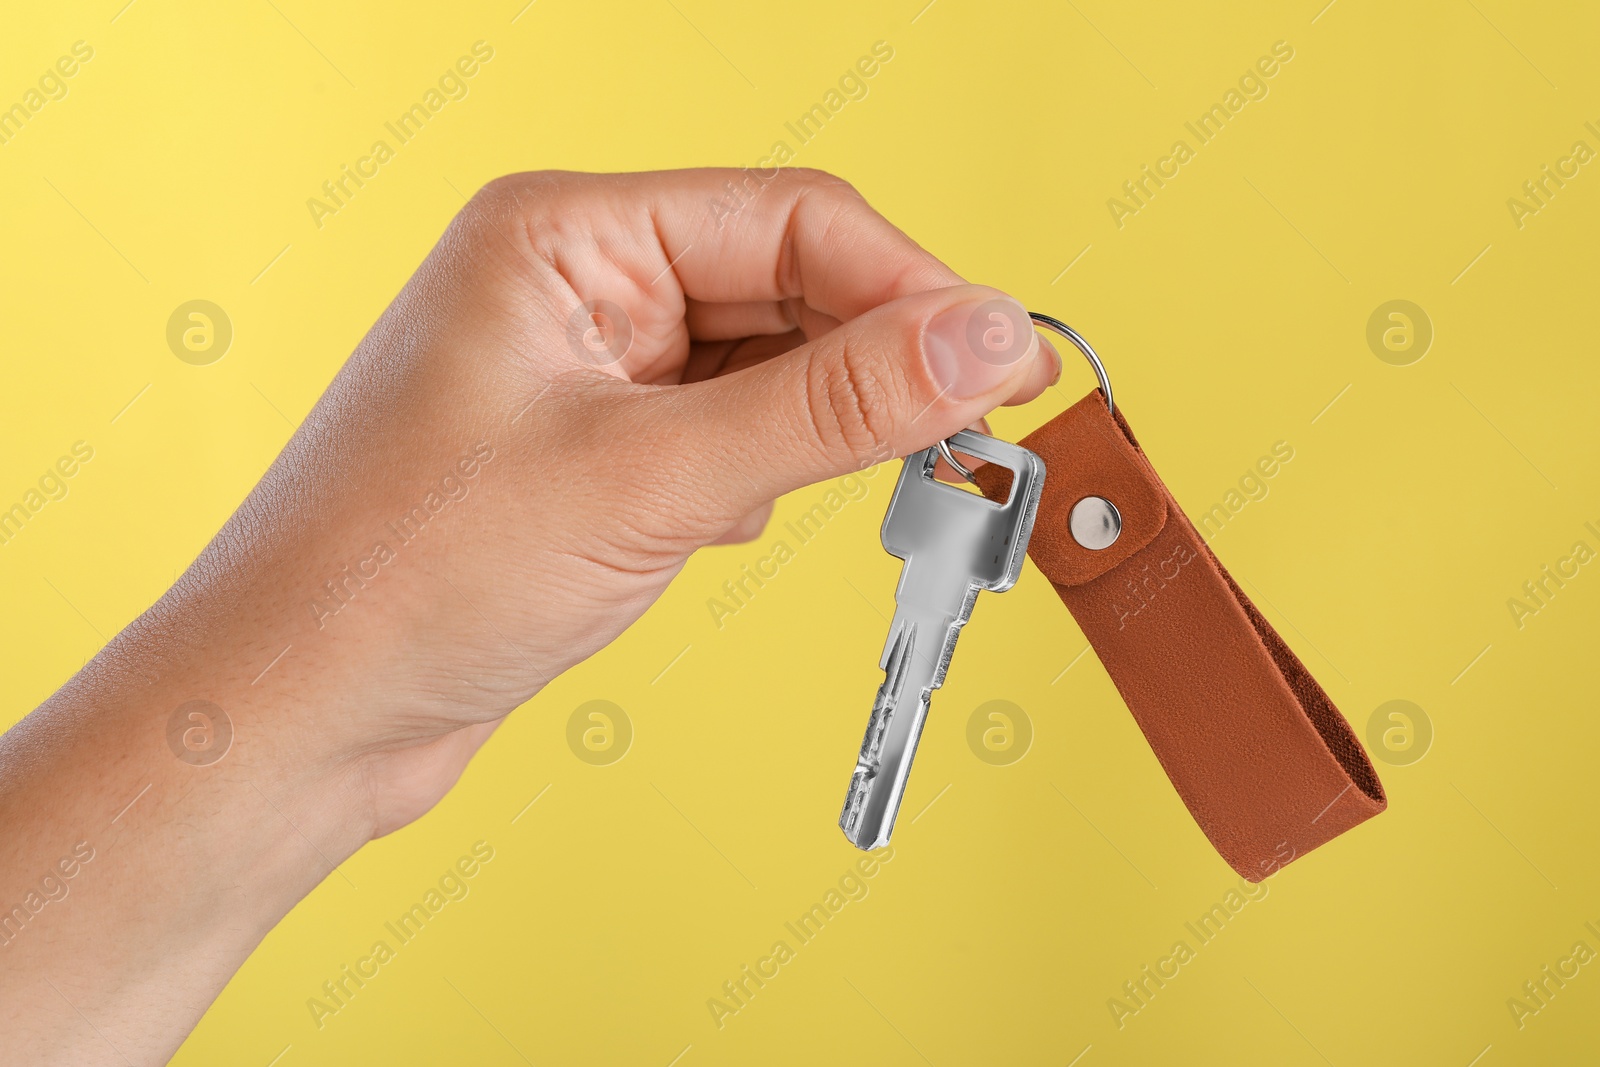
[730, 236]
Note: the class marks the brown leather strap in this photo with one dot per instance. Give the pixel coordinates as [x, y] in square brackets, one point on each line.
[1265, 762]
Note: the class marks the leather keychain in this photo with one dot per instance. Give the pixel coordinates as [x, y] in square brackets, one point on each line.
[1263, 759]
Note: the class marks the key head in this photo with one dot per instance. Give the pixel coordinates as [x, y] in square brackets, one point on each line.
[944, 529]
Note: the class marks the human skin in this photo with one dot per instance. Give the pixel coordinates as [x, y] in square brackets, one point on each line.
[798, 338]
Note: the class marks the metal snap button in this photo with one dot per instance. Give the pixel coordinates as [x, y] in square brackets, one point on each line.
[1095, 523]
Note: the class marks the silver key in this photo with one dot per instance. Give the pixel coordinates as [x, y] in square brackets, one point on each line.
[954, 544]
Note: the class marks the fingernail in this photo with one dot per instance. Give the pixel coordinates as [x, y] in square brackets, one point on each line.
[1055, 354]
[972, 348]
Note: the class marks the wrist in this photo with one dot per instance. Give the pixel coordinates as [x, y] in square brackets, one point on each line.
[180, 851]
[202, 707]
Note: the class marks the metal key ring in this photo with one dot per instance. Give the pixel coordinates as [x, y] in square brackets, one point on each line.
[1054, 325]
[943, 445]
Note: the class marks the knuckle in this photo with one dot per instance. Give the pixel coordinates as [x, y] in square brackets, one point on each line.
[820, 180]
[497, 198]
[515, 187]
[821, 213]
[496, 189]
[492, 209]
[524, 198]
[516, 223]
[829, 197]
[851, 399]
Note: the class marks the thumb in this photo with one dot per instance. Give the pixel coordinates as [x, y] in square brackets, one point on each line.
[889, 382]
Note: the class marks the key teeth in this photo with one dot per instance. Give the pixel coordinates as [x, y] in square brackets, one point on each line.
[878, 723]
[882, 707]
[870, 760]
[854, 801]
[850, 817]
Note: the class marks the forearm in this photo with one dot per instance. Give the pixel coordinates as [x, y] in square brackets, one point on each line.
[149, 842]
[138, 869]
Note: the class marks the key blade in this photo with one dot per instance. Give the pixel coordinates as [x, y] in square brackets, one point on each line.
[914, 660]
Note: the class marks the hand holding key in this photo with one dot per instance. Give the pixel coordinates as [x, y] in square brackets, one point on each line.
[590, 377]
[650, 374]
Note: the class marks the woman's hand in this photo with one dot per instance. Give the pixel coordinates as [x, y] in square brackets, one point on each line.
[590, 377]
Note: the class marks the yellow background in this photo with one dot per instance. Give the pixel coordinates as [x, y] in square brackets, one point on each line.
[1231, 310]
